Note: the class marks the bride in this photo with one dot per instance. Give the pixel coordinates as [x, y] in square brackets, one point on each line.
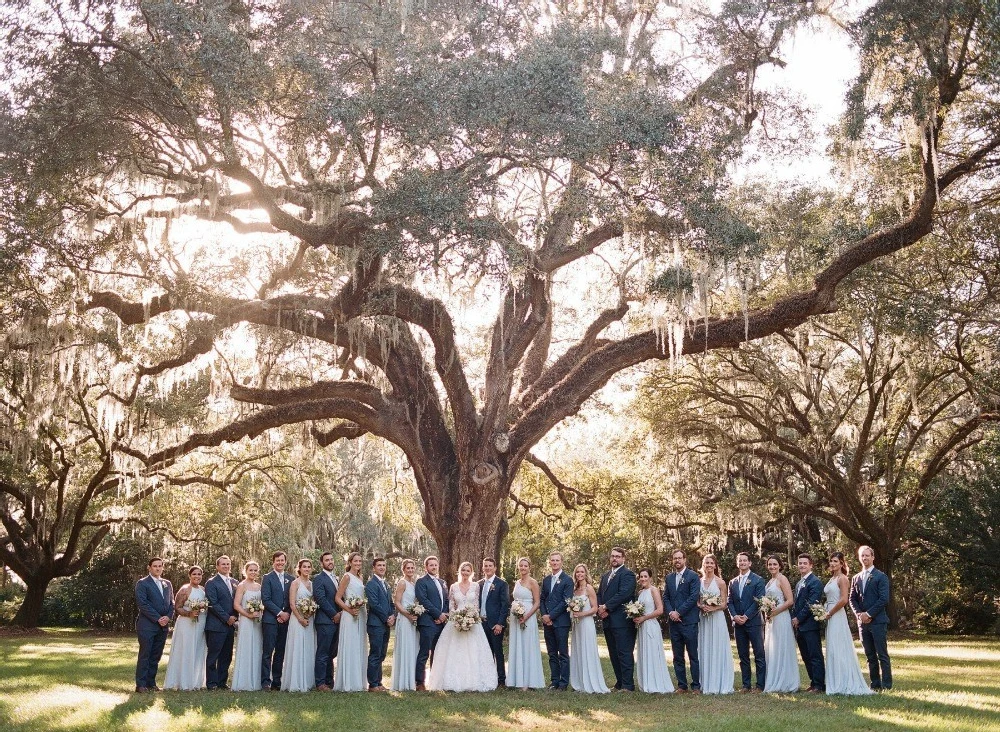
[463, 660]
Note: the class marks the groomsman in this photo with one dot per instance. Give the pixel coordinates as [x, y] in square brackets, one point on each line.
[557, 588]
[744, 591]
[617, 588]
[327, 621]
[274, 622]
[220, 626]
[381, 618]
[869, 598]
[494, 606]
[809, 591]
[681, 592]
[155, 598]
[431, 592]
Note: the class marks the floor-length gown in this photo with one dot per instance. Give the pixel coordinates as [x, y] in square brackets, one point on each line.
[651, 661]
[188, 650]
[585, 672]
[249, 649]
[404, 652]
[524, 657]
[299, 672]
[352, 648]
[463, 660]
[779, 648]
[714, 650]
[843, 672]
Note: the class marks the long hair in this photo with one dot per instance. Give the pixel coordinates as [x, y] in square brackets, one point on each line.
[844, 568]
[586, 577]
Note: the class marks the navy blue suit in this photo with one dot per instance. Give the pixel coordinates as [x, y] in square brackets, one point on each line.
[155, 601]
[682, 597]
[497, 607]
[808, 635]
[873, 598]
[219, 635]
[327, 630]
[380, 609]
[619, 630]
[751, 633]
[426, 591]
[553, 603]
[274, 595]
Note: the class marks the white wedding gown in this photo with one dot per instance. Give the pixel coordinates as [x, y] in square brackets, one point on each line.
[843, 673]
[463, 660]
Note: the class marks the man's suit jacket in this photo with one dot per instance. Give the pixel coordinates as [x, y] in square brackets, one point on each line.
[324, 592]
[379, 601]
[613, 593]
[154, 603]
[274, 595]
[810, 593]
[553, 600]
[745, 603]
[874, 598]
[426, 591]
[684, 598]
[497, 602]
[220, 603]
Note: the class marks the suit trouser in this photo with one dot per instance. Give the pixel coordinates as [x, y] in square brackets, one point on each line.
[684, 636]
[621, 649]
[151, 645]
[326, 650]
[873, 638]
[557, 646]
[747, 637]
[378, 647]
[220, 656]
[429, 635]
[811, 650]
[496, 645]
[273, 660]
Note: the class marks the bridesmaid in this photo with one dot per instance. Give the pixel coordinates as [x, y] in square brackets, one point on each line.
[585, 672]
[651, 665]
[714, 650]
[299, 673]
[779, 640]
[404, 654]
[843, 672]
[524, 661]
[186, 666]
[249, 635]
[352, 651]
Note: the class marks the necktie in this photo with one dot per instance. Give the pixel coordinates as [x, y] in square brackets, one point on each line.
[743, 582]
[799, 586]
[864, 581]
[441, 593]
[486, 591]
[163, 588]
[225, 581]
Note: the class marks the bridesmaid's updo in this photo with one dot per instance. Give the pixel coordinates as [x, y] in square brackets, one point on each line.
[249, 564]
[195, 568]
[648, 571]
[298, 567]
[524, 559]
[405, 562]
[775, 557]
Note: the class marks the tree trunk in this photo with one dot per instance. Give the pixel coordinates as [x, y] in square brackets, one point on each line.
[30, 611]
[474, 529]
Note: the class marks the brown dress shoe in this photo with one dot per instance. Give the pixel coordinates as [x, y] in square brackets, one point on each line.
[421, 687]
[141, 690]
[322, 687]
[695, 691]
[680, 691]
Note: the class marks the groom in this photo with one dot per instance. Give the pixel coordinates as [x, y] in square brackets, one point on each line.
[809, 591]
[155, 598]
[431, 592]
[617, 588]
[869, 597]
[494, 606]
[557, 588]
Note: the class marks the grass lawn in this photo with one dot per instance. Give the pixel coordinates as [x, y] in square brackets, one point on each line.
[68, 680]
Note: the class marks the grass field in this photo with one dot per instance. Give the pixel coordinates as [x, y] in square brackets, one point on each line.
[68, 680]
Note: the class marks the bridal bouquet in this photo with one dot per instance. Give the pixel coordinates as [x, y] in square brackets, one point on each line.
[466, 618]
[356, 602]
[634, 609]
[196, 607]
[307, 607]
[576, 604]
[710, 600]
[255, 606]
[767, 604]
[518, 610]
[415, 608]
[818, 611]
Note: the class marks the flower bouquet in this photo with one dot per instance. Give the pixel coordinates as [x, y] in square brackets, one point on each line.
[415, 609]
[767, 605]
[576, 604]
[634, 609]
[466, 618]
[356, 602]
[710, 600]
[307, 607]
[518, 610]
[818, 611]
[196, 608]
[255, 606]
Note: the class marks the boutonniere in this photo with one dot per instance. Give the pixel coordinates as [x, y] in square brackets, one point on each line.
[683, 580]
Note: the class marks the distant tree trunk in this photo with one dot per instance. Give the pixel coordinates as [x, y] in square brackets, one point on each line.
[30, 611]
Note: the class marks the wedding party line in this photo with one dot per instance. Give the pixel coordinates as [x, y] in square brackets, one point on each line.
[324, 632]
